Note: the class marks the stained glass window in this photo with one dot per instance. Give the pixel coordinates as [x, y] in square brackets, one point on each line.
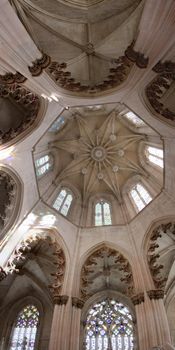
[155, 155]
[25, 329]
[140, 196]
[132, 117]
[42, 165]
[109, 324]
[57, 125]
[63, 201]
[102, 213]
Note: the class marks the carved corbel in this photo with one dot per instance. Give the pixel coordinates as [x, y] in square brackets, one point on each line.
[138, 298]
[39, 64]
[155, 294]
[78, 303]
[137, 57]
[10, 78]
[60, 299]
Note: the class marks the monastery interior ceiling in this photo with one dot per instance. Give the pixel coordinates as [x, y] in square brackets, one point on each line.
[87, 190]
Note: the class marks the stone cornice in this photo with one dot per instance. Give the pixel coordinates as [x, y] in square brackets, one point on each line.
[76, 302]
[155, 294]
[138, 298]
[60, 299]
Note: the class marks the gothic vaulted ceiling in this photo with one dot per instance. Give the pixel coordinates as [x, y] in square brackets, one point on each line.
[98, 151]
[87, 44]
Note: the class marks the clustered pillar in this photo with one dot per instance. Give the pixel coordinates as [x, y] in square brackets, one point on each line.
[152, 323]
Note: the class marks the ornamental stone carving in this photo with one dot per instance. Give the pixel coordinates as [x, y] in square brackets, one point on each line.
[26, 103]
[137, 57]
[159, 86]
[10, 78]
[78, 303]
[103, 268]
[60, 299]
[10, 190]
[157, 268]
[155, 294]
[39, 64]
[138, 298]
[27, 250]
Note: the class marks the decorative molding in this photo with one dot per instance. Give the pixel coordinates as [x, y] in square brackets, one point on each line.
[39, 65]
[153, 257]
[138, 298]
[8, 189]
[60, 299]
[10, 78]
[155, 294]
[120, 263]
[159, 86]
[77, 302]
[24, 98]
[25, 250]
[137, 57]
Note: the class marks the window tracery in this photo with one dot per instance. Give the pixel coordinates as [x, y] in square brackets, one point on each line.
[42, 165]
[140, 196]
[25, 329]
[155, 155]
[102, 213]
[109, 324]
[63, 201]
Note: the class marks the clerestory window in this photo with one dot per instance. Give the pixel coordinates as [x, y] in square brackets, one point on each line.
[43, 165]
[134, 119]
[155, 155]
[102, 213]
[57, 125]
[140, 196]
[63, 201]
[25, 329]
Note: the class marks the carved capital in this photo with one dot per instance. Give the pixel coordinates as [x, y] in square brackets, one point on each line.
[137, 57]
[39, 64]
[155, 294]
[138, 298]
[79, 303]
[10, 78]
[60, 299]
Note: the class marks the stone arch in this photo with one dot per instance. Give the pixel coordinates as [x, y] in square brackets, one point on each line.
[158, 249]
[11, 188]
[28, 108]
[39, 244]
[109, 259]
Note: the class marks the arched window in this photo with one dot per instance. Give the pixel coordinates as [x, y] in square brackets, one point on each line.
[134, 119]
[102, 213]
[25, 329]
[57, 125]
[155, 155]
[63, 201]
[140, 196]
[109, 325]
[43, 165]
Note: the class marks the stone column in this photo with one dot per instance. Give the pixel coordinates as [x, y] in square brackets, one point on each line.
[143, 336]
[160, 318]
[56, 335]
[152, 324]
[77, 305]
